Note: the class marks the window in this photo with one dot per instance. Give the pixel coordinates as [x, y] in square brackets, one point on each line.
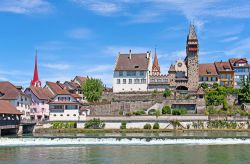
[61, 115]
[17, 104]
[74, 114]
[143, 81]
[71, 107]
[131, 73]
[159, 80]
[120, 73]
[123, 81]
[67, 114]
[141, 73]
[228, 76]
[54, 115]
[118, 81]
[42, 102]
[130, 81]
[137, 81]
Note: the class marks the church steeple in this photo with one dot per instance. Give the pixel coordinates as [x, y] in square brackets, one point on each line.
[36, 82]
[192, 40]
[156, 70]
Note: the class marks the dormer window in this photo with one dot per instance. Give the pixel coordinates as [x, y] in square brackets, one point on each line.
[136, 66]
[208, 71]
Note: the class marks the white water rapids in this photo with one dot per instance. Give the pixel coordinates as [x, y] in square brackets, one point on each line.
[115, 141]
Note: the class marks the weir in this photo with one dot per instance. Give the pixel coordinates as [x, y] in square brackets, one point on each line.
[4, 142]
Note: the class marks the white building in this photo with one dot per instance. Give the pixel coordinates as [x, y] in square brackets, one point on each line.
[131, 73]
[16, 97]
[63, 106]
[39, 106]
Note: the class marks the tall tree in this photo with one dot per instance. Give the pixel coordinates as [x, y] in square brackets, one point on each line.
[244, 92]
[92, 89]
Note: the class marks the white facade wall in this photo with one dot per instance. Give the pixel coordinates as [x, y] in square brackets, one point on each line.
[131, 87]
[22, 103]
[65, 114]
[38, 108]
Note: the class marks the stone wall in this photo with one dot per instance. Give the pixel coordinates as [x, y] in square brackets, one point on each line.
[113, 108]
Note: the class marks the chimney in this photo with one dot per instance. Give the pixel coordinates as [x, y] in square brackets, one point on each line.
[130, 54]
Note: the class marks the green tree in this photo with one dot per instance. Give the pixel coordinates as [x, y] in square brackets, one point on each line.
[244, 92]
[167, 93]
[215, 85]
[92, 89]
[204, 85]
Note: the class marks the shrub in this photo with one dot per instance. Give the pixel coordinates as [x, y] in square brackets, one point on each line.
[147, 126]
[156, 126]
[60, 125]
[120, 113]
[138, 113]
[179, 111]
[225, 105]
[123, 125]
[211, 110]
[204, 85]
[129, 114]
[166, 93]
[94, 124]
[166, 110]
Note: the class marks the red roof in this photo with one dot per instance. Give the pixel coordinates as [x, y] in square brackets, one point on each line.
[9, 91]
[207, 70]
[7, 108]
[156, 66]
[41, 93]
[223, 66]
[56, 89]
[138, 62]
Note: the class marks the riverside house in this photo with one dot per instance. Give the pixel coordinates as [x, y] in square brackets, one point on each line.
[63, 106]
[16, 97]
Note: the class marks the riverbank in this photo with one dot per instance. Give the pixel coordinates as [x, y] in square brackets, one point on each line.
[78, 130]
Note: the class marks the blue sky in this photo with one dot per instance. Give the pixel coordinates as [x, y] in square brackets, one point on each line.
[83, 37]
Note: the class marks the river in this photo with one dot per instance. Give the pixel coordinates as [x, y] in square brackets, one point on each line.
[198, 147]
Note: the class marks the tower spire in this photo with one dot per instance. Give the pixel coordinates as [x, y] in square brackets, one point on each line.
[156, 70]
[36, 82]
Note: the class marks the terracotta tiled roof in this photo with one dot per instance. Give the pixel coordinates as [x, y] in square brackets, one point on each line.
[56, 89]
[238, 60]
[41, 93]
[207, 70]
[156, 65]
[71, 85]
[81, 78]
[223, 66]
[7, 108]
[136, 62]
[9, 91]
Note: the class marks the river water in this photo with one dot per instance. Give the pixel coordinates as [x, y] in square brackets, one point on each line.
[190, 148]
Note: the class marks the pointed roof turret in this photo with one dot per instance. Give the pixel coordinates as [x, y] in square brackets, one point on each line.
[192, 33]
[36, 82]
[156, 69]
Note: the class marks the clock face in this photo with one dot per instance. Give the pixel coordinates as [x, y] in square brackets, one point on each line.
[179, 64]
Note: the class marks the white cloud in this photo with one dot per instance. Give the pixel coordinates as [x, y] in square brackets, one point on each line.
[56, 66]
[25, 6]
[230, 39]
[99, 68]
[241, 49]
[101, 7]
[80, 33]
